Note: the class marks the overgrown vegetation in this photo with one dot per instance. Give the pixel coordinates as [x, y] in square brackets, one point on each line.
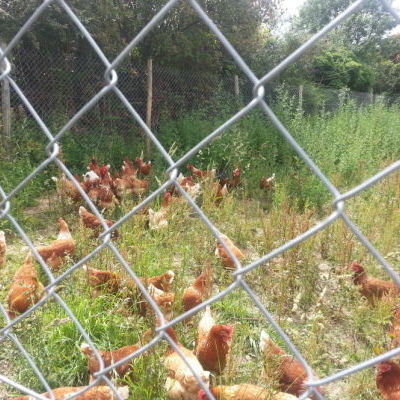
[348, 145]
[308, 289]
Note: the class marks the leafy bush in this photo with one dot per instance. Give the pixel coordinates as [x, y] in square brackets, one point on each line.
[340, 68]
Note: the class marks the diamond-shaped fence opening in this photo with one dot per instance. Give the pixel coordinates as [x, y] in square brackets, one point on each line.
[123, 86]
[175, 92]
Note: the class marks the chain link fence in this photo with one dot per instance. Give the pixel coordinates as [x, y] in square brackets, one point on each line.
[58, 87]
[111, 84]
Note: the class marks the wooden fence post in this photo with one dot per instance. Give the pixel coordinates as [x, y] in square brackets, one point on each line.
[301, 88]
[236, 85]
[371, 96]
[6, 110]
[149, 107]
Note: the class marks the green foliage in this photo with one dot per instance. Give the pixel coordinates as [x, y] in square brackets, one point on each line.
[343, 144]
[389, 77]
[28, 145]
[363, 30]
[354, 54]
[181, 39]
[340, 68]
[307, 289]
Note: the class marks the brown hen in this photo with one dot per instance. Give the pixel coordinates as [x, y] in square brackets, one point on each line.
[131, 185]
[199, 173]
[163, 281]
[25, 289]
[94, 166]
[395, 327]
[65, 187]
[213, 343]
[144, 167]
[90, 221]
[113, 356]
[94, 393]
[220, 192]
[113, 281]
[198, 291]
[290, 373]
[107, 280]
[181, 384]
[64, 245]
[164, 300]
[388, 380]
[233, 182]
[267, 183]
[123, 182]
[372, 288]
[244, 391]
[128, 170]
[220, 252]
[3, 248]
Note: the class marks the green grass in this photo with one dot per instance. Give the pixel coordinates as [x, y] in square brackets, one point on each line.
[308, 289]
[333, 331]
[348, 145]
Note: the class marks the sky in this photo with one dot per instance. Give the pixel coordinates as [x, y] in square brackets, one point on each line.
[293, 5]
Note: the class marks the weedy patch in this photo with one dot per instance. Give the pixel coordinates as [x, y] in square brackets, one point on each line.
[307, 289]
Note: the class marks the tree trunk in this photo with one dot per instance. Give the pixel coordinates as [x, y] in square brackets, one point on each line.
[6, 110]
[149, 107]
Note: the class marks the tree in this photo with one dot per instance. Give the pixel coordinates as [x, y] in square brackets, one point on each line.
[355, 53]
[388, 73]
[340, 68]
[362, 32]
[180, 41]
[113, 23]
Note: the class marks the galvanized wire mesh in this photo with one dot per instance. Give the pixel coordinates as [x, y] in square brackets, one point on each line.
[111, 86]
[59, 86]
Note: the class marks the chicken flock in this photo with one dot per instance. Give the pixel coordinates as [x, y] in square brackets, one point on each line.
[211, 351]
